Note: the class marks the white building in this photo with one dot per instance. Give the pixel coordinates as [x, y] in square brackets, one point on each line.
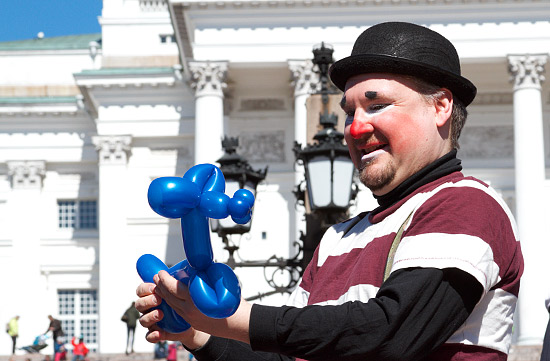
[86, 122]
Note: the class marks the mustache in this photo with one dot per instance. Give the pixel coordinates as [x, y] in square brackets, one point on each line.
[368, 140]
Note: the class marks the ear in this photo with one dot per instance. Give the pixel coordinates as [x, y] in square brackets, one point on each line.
[443, 108]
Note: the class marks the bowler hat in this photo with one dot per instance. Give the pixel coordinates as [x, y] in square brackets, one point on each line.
[406, 49]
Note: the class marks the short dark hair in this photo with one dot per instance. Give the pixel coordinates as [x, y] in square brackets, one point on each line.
[459, 114]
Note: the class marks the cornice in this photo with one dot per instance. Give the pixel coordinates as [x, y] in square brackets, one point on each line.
[269, 13]
[128, 78]
[40, 106]
[288, 4]
[494, 98]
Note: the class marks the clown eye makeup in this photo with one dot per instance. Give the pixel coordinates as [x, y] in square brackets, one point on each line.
[369, 94]
[374, 108]
[343, 102]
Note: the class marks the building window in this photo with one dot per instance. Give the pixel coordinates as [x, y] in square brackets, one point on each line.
[165, 38]
[78, 313]
[77, 214]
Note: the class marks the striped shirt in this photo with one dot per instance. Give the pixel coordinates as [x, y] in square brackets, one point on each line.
[456, 222]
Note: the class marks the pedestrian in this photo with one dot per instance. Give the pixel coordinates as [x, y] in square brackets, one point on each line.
[79, 349]
[55, 328]
[130, 317]
[60, 351]
[172, 354]
[545, 355]
[432, 273]
[13, 330]
[161, 349]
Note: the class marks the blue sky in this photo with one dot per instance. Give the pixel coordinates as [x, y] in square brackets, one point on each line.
[24, 19]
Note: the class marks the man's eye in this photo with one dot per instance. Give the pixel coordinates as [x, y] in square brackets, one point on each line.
[376, 107]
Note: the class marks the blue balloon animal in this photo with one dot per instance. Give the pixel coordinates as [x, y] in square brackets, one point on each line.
[194, 198]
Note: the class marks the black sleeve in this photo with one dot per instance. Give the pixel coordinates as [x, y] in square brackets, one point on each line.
[415, 311]
[230, 350]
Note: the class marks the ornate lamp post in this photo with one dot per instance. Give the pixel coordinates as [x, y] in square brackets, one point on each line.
[328, 167]
[328, 181]
[238, 174]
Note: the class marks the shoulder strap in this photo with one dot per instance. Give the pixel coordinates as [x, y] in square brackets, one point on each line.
[393, 248]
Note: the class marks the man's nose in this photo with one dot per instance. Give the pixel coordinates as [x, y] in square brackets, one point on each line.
[360, 127]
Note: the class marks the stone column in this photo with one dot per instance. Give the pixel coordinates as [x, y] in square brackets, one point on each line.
[24, 225]
[117, 271]
[527, 75]
[305, 81]
[208, 81]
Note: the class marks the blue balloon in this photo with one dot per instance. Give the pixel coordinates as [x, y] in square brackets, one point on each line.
[245, 195]
[216, 292]
[197, 196]
[196, 240]
[148, 266]
[238, 208]
[214, 204]
[173, 197]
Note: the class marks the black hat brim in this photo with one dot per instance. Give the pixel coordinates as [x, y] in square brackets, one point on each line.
[353, 65]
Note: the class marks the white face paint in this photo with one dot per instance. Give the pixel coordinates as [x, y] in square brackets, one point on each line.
[390, 130]
[367, 158]
[371, 112]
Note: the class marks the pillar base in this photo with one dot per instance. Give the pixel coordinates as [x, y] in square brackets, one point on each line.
[525, 353]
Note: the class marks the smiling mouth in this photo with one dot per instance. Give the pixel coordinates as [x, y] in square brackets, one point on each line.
[373, 148]
[370, 153]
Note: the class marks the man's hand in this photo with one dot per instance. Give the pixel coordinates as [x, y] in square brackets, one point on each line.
[192, 339]
[176, 294]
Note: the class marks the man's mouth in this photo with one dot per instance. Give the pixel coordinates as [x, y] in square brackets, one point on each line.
[370, 153]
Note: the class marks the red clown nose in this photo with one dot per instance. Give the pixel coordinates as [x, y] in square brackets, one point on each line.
[359, 128]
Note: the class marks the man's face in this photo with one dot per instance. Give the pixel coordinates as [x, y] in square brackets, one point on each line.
[391, 131]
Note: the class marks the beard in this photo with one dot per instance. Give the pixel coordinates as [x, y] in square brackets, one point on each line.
[376, 179]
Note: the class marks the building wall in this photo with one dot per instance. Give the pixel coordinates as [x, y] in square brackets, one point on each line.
[56, 105]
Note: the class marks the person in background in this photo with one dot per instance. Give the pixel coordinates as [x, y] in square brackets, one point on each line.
[545, 355]
[130, 317]
[79, 349]
[55, 328]
[13, 331]
[161, 348]
[60, 351]
[172, 354]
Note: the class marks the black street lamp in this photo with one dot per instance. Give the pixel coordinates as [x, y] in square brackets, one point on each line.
[238, 174]
[328, 167]
[329, 186]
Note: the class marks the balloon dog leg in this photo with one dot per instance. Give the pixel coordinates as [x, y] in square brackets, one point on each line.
[148, 266]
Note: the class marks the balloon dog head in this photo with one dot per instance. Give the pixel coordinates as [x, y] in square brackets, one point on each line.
[194, 198]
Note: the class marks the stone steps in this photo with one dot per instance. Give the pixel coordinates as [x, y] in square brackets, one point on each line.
[183, 355]
[517, 353]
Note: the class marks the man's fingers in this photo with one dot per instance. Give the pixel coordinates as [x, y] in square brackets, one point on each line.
[145, 303]
[153, 335]
[145, 289]
[165, 282]
[149, 319]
